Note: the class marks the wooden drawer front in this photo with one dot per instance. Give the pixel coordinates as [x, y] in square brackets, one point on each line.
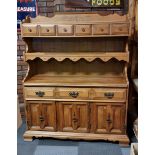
[119, 29]
[110, 94]
[82, 30]
[101, 29]
[73, 93]
[65, 30]
[39, 92]
[29, 30]
[47, 30]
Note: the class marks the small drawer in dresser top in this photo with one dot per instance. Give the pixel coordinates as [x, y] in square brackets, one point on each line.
[119, 29]
[65, 30]
[29, 30]
[101, 29]
[83, 30]
[39, 92]
[73, 93]
[109, 94]
[47, 30]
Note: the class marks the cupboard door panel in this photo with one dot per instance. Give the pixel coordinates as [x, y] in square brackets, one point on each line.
[81, 110]
[117, 116]
[99, 112]
[49, 114]
[65, 112]
[33, 115]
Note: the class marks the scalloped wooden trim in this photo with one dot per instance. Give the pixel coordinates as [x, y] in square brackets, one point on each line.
[73, 57]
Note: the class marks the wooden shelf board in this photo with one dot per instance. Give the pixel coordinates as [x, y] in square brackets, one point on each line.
[75, 56]
[81, 81]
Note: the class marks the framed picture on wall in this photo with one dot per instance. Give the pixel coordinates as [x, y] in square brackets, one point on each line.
[104, 4]
[25, 8]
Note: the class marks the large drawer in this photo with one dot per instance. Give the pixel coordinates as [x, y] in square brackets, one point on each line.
[110, 94]
[29, 30]
[39, 92]
[101, 29]
[83, 30]
[47, 30]
[120, 29]
[73, 93]
[65, 30]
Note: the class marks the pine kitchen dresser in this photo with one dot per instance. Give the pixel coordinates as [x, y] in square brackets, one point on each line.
[76, 86]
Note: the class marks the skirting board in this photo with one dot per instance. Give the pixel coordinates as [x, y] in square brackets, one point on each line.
[122, 139]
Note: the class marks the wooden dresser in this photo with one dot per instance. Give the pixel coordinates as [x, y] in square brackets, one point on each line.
[76, 86]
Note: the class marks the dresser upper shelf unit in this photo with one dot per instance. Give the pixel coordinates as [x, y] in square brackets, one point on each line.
[76, 25]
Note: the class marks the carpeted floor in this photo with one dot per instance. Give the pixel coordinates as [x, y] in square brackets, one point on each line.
[66, 147]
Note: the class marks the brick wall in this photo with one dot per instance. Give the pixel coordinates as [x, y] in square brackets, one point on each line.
[45, 8]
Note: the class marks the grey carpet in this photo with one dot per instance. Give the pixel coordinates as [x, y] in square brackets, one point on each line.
[82, 147]
[56, 150]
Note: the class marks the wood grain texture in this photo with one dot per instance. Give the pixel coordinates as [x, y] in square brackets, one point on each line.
[89, 56]
[76, 86]
[74, 25]
[122, 139]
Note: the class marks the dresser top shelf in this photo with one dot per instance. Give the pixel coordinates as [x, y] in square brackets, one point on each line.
[75, 56]
[80, 81]
[76, 25]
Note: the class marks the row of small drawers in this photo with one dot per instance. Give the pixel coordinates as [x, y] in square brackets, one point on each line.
[78, 30]
[111, 94]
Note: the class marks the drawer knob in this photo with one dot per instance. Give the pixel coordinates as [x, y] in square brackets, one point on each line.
[102, 30]
[65, 30]
[74, 94]
[40, 93]
[109, 95]
[83, 30]
[47, 30]
[120, 29]
[29, 29]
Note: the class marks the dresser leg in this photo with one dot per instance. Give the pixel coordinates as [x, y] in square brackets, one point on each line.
[124, 143]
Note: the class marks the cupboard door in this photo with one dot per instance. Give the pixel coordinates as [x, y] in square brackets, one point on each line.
[116, 118]
[73, 116]
[41, 116]
[99, 114]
